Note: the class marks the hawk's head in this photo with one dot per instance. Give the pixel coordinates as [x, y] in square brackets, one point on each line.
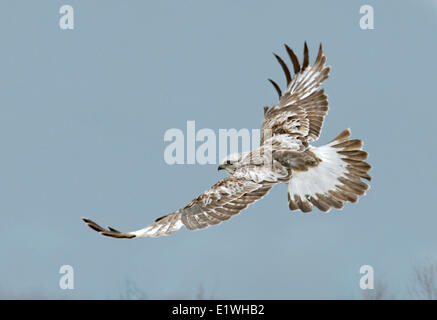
[231, 162]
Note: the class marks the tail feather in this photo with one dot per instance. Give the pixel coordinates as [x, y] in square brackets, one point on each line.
[337, 178]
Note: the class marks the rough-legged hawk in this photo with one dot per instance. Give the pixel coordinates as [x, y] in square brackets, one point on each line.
[324, 176]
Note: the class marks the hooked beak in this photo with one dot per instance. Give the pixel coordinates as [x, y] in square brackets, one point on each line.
[221, 167]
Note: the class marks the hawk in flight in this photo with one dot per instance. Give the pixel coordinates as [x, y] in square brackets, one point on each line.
[323, 177]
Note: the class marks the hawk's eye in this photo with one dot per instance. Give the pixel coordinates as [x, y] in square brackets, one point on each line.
[228, 162]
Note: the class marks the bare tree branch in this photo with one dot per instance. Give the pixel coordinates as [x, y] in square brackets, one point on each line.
[424, 285]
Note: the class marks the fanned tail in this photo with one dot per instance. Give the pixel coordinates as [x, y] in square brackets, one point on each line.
[337, 179]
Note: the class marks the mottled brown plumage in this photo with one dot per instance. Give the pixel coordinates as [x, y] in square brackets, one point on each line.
[321, 177]
[301, 103]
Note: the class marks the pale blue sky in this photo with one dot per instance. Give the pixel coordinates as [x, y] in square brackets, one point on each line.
[82, 119]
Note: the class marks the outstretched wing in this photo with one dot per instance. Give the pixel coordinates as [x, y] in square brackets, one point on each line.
[302, 107]
[223, 200]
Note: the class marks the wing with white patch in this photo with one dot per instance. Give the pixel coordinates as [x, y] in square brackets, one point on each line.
[223, 200]
[162, 226]
[301, 108]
